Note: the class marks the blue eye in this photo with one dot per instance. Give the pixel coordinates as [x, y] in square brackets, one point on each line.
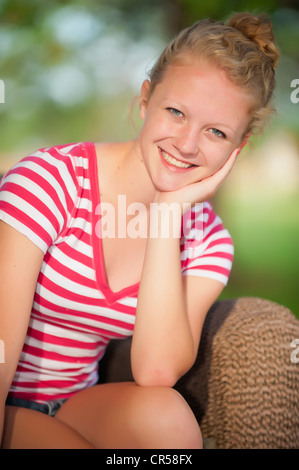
[218, 133]
[175, 111]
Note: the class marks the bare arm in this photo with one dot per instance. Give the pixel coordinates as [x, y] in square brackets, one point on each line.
[171, 309]
[170, 314]
[20, 263]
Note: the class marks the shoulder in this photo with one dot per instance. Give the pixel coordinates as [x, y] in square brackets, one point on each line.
[212, 222]
[206, 245]
[202, 222]
[39, 194]
[66, 156]
[55, 166]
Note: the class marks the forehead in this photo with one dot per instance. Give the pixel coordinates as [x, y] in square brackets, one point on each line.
[201, 78]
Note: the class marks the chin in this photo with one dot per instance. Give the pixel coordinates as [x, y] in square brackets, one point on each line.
[168, 186]
[173, 184]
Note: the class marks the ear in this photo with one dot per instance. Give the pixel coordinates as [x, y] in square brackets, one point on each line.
[245, 140]
[144, 98]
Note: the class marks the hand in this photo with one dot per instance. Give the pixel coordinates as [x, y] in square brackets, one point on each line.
[202, 190]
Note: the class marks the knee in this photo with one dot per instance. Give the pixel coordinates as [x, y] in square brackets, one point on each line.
[168, 417]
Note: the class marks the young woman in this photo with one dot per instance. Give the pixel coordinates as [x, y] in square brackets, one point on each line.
[66, 289]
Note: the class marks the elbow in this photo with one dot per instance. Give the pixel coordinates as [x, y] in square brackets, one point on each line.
[155, 372]
[157, 376]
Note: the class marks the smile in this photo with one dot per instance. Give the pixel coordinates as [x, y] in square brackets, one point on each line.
[173, 161]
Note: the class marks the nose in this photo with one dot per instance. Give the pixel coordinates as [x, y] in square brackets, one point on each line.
[186, 141]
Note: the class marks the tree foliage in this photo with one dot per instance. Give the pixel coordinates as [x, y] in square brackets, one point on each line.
[70, 66]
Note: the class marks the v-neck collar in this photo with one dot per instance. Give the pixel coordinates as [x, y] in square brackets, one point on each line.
[97, 243]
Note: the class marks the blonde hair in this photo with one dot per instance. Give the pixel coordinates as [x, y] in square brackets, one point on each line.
[244, 47]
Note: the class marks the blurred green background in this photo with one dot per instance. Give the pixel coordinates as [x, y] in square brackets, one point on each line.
[71, 68]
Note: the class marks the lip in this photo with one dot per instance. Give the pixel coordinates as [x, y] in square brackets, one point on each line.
[173, 168]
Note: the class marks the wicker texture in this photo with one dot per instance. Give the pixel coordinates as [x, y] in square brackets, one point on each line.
[243, 387]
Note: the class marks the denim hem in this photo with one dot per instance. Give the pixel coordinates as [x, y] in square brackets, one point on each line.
[49, 408]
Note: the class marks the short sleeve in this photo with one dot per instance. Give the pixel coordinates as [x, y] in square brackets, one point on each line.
[37, 196]
[206, 246]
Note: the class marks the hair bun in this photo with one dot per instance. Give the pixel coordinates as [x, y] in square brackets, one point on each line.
[259, 29]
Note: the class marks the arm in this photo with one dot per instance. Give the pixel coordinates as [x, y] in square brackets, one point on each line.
[170, 314]
[20, 263]
[171, 308]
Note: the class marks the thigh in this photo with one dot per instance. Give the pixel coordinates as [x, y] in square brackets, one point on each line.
[29, 429]
[124, 415]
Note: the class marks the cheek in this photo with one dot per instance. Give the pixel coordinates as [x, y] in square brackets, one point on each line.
[155, 127]
[215, 158]
[221, 160]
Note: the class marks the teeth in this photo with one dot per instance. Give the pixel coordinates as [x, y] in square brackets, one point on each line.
[174, 161]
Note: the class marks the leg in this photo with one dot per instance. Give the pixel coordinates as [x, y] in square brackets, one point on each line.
[28, 429]
[124, 415]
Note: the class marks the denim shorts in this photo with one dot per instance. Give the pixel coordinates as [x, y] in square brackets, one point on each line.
[49, 408]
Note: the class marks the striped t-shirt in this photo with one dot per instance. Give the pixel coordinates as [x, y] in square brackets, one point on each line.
[52, 196]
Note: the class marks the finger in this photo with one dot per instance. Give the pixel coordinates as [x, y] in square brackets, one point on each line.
[210, 185]
[229, 163]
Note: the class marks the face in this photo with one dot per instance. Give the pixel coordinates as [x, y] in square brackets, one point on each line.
[193, 120]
